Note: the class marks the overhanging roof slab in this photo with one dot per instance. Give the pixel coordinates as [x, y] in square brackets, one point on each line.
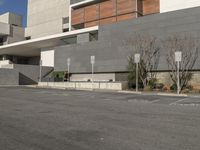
[32, 47]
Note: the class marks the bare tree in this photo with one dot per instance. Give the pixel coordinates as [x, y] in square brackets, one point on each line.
[149, 50]
[189, 48]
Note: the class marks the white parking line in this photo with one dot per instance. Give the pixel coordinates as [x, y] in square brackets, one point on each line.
[174, 103]
[156, 100]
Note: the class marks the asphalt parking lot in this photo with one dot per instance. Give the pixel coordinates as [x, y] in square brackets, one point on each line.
[46, 119]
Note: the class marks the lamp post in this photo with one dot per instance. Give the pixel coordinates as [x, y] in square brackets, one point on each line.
[178, 57]
[92, 60]
[68, 68]
[137, 60]
[40, 75]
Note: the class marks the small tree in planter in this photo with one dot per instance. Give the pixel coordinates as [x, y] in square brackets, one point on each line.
[189, 48]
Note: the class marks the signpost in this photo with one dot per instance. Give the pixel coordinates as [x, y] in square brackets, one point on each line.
[68, 68]
[92, 60]
[178, 58]
[40, 75]
[137, 60]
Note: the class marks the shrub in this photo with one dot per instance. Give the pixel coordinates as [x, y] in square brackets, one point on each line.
[152, 83]
[173, 87]
[147, 88]
[58, 75]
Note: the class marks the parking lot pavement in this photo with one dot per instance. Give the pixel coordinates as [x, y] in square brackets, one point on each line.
[46, 119]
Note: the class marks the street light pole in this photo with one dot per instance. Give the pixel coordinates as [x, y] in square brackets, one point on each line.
[40, 75]
[178, 77]
[68, 68]
[136, 77]
[92, 59]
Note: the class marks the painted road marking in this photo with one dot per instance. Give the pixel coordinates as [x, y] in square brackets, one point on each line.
[156, 100]
[175, 103]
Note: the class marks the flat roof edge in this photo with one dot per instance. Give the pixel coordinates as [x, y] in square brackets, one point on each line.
[70, 33]
[82, 3]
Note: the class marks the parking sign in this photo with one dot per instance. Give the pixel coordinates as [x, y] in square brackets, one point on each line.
[137, 58]
[92, 59]
[178, 56]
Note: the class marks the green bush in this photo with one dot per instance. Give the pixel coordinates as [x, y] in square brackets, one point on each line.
[173, 87]
[189, 87]
[147, 88]
[58, 75]
[152, 83]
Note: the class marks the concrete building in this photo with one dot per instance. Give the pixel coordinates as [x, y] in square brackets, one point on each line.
[77, 29]
[11, 29]
[46, 17]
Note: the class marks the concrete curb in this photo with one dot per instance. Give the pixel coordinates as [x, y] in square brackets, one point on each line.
[158, 94]
[130, 92]
[122, 91]
[172, 94]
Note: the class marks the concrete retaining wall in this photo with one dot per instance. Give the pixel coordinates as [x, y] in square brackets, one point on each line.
[164, 77]
[32, 71]
[9, 77]
[86, 85]
[27, 74]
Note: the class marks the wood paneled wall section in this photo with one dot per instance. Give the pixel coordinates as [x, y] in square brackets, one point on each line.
[111, 11]
[91, 13]
[126, 17]
[78, 16]
[108, 20]
[140, 7]
[108, 9]
[126, 6]
[151, 7]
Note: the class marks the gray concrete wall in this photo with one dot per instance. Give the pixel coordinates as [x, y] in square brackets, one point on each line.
[110, 51]
[11, 28]
[21, 74]
[82, 38]
[9, 77]
[4, 29]
[11, 18]
[31, 72]
[16, 34]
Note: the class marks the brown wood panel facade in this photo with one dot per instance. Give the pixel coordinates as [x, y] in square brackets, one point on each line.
[110, 11]
[126, 17]
[78, 16]
[108, 20]
[92, 13]
[151, 7]
[126, 6]
[91, 24]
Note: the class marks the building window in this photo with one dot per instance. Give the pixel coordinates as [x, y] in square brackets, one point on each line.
[66, 20]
